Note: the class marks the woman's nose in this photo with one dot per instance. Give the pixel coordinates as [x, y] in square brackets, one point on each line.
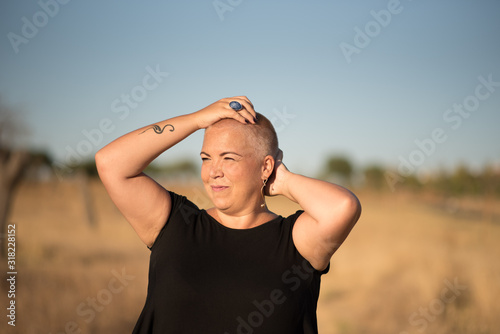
[216, 170]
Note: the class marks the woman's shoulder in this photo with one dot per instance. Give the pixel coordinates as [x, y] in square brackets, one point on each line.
[292, 218]
[179, 200]
[182, 210]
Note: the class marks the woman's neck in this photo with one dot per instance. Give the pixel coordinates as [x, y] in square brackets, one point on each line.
[244, 220]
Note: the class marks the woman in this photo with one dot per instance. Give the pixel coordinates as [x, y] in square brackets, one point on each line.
[236, 267]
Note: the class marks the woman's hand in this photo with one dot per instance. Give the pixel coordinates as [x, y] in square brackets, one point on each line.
[277, 183]
[330, 212]
[221, 109]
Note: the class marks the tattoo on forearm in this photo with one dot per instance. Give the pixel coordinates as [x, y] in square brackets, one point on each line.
[157, 128]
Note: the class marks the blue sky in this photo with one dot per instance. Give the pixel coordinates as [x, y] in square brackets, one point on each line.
[391, 95]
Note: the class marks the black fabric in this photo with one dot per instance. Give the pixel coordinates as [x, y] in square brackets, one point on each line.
[207, 278]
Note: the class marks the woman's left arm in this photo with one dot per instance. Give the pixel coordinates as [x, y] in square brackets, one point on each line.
[330, 212]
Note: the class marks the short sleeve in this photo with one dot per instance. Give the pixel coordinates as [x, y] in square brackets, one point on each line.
[182, 208]
[291, 220]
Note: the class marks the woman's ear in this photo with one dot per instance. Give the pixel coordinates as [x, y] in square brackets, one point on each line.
[268, 166]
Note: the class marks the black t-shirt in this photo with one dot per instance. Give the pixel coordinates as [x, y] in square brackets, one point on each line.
[207, 278]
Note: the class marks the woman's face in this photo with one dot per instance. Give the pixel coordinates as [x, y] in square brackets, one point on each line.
[231, 171]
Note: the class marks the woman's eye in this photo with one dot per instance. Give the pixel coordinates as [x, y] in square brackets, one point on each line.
[228, 158]
[204, 159]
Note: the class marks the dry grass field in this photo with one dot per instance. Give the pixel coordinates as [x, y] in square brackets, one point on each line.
[407, 267]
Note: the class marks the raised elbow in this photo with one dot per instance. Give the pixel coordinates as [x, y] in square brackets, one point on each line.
[352, 208]
[348, 209]
[102, 163]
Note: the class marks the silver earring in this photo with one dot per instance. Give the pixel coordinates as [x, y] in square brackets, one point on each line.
[262, 192]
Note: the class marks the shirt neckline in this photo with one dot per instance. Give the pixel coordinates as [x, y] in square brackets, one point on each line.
[213, 220]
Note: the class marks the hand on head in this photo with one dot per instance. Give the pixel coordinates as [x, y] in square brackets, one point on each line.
[276, 182]
[221, 109]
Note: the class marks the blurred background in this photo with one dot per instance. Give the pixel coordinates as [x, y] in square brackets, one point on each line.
[397, 100]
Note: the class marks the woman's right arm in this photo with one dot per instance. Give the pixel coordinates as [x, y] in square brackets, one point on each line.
[143, 202]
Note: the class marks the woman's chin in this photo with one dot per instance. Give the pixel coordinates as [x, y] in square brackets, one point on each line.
[221, 206]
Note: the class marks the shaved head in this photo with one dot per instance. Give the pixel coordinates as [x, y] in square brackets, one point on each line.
[260, 135]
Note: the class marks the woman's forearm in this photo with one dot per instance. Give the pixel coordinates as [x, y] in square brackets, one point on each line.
[322, 200]
[130, 154]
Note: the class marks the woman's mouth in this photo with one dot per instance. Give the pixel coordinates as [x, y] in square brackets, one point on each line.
[218, 188]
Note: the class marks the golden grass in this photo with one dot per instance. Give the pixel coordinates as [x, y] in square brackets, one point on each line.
[388, 277]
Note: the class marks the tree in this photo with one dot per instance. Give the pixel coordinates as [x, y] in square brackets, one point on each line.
[338, 168]
[13, 163]
[175, 170]
[374, 177]
[463, 182]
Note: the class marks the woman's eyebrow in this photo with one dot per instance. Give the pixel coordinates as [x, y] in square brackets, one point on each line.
[223, 153]
[229, 152]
